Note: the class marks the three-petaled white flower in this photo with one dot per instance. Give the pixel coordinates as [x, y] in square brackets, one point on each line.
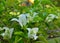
[22, 20]
[8, 32]
[51, 17]
[32, 33]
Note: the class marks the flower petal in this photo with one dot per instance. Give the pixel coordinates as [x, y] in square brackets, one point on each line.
[22, 20]
[8, 33]
[50, 17]
[35, 37]
[11, 31]
[35, 30]
[14, 19]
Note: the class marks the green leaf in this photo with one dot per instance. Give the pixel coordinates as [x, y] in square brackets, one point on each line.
[18, 33]
[43, 39]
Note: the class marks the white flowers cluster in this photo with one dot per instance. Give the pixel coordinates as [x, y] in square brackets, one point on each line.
[8, 32]
[24, 19]
[32, 33]
[51, 17]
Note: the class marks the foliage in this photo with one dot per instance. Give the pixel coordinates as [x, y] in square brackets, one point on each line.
[25, 22]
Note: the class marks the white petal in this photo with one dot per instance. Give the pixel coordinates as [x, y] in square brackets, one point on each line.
[29, 32]
[6, 28]
[11, 31]
[22, 20]
[50, 17]
[29, 29]
[35, 30]
[3, 34]
[14, 19]
[35, 37]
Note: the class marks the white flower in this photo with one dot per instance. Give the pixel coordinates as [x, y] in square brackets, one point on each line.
[11, 31]
[32, 33]
[35, 37]
[22, 20]
[51, 17]
[8, 33]
[25, 18]
[31, 17]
